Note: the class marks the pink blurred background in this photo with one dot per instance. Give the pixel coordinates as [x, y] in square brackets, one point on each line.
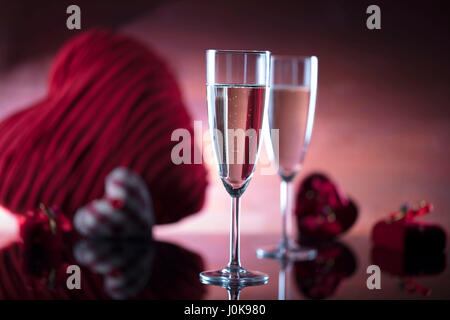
[383, 116]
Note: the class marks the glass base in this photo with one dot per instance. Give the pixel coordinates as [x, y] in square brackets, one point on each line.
[238, 277]
[292, 252]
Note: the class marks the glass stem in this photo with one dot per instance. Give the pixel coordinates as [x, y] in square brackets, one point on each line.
[282, 284]
[286, 212]
[233, 293]
[235, 262]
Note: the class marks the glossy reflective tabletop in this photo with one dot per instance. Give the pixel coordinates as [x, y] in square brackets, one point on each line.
[168, 268]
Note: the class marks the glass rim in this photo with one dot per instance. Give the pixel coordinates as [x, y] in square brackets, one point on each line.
[233, 51]
[291, 57]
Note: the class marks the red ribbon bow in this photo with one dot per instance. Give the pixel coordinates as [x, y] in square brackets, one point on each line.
[408, 213]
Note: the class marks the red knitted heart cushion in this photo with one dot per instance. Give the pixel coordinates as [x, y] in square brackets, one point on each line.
[111, 102]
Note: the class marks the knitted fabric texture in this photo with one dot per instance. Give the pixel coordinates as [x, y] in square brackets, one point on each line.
[111, 103]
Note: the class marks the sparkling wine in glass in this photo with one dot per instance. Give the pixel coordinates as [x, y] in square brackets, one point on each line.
[237, 88]
[293, 88]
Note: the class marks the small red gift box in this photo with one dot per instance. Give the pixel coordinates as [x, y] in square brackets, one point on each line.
[401, 232]
[402, 264]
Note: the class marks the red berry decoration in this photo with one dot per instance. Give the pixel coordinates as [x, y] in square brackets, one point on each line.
[321, 277]
[322, 211]
[43, 232]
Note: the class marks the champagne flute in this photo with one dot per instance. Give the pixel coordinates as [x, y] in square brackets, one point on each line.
[293, 88]
[237, 86]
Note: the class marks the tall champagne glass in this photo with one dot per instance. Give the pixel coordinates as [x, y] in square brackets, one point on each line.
[237, 87]
[293, 88]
